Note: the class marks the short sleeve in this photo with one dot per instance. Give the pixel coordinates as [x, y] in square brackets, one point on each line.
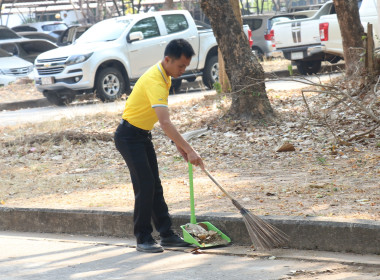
[157, 94]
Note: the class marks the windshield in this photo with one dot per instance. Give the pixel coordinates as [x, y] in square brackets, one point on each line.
[277, 19]
[54, 27]
[8, 34]
[107, 30]
[4, 53]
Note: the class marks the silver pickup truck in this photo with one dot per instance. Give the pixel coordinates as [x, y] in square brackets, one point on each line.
[299, 41]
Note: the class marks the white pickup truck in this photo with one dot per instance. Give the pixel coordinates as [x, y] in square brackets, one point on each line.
[111, 55]
[331, 39]
[299, 41]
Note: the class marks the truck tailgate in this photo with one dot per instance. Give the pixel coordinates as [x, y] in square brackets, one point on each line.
[296, 33]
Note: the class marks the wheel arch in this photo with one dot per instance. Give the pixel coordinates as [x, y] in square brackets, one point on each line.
[212, 52]
[115, 64]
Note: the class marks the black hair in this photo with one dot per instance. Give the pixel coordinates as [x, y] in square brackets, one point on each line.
[178, 47]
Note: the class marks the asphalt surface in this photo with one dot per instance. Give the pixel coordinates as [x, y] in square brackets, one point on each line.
[31, 256]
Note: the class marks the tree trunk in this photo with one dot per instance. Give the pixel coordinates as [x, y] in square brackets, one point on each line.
[223, 78]
[352, 32]
[246, 75]
[168, 5]
[277, 5]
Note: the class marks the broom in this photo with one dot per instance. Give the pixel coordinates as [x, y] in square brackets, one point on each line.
[263, 235]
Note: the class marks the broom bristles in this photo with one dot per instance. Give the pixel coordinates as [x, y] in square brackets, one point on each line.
[263, 235]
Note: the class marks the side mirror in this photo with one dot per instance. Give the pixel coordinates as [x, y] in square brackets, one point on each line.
[135, 36]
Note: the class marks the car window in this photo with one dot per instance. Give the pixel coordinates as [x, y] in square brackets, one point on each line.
[53, 27]
[106, 30]
[38, 46]
[8, 34]
[254, 23]
[23, 28]
[175, 23]
[4, 53]
[11, 48]
[148, 27]
[277, 19]
[201, 25]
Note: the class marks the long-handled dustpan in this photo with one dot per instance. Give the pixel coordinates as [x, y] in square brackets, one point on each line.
[202, 234]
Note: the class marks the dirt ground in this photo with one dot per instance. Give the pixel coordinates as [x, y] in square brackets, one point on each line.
[66, 164]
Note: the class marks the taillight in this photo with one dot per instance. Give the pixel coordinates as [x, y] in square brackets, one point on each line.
[324, 31]
[270, 37]
[250, 38]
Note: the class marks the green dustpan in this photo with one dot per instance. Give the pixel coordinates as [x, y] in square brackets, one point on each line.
[214, 237]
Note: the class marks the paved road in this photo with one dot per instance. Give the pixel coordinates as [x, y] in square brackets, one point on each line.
[192, 91]
[32, 256]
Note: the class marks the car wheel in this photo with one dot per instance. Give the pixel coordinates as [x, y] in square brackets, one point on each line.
[176, 86]
[211, 72]
[110, 84]
[309, 67]
[58, 98]
[259, 53]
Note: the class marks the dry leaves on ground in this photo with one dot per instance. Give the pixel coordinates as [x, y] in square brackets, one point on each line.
[64, 164]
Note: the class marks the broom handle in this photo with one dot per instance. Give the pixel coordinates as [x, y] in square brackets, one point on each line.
[216, 183]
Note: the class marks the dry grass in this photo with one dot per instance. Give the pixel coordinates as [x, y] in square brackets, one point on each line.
[74, 164]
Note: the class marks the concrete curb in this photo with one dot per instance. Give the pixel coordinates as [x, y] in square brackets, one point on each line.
[34, 103]
[312, 233]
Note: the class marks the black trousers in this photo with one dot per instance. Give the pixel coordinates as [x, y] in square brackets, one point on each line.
[136, 147]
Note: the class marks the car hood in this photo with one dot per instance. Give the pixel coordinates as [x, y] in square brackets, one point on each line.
[83, 48]
[13, 62]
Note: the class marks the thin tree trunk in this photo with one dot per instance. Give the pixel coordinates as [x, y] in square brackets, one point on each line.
[223, 78]
[246, 75]
[168, 5]
[352, 31]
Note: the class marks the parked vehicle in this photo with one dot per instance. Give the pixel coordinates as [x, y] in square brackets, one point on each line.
[38, 35]
[331, 38]
[71, 34]
[13, 68]
[111, 55]
[299, 41]
[27, 49]
[261, 26]
[6, 33]
[53, 28]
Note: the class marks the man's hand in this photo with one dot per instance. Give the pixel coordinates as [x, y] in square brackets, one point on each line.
[184, 148]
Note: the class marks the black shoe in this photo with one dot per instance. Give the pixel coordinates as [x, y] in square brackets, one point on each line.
[150, 246]
[173, 241]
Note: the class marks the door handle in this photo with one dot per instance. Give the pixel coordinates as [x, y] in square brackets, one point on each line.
[162, 43]
[192, 37]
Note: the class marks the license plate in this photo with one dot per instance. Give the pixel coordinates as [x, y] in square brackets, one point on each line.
[296, 55]
[47, 80]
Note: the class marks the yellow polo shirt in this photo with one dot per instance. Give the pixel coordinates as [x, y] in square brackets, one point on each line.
[150, 91]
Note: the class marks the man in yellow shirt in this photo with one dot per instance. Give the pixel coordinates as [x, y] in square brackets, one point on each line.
[147, 104]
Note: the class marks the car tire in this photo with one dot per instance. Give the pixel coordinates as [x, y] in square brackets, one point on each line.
[211, 72]
[59, 98]
[176, 86]
[309, 67]
[259, 53]
[109, 84]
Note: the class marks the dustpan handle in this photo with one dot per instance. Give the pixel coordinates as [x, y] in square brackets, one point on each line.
[193, 220]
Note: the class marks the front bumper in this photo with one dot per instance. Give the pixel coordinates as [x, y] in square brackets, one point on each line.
[55, 75]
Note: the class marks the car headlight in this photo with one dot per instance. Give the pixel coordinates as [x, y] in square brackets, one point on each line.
[78, 58]
[30, 68]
